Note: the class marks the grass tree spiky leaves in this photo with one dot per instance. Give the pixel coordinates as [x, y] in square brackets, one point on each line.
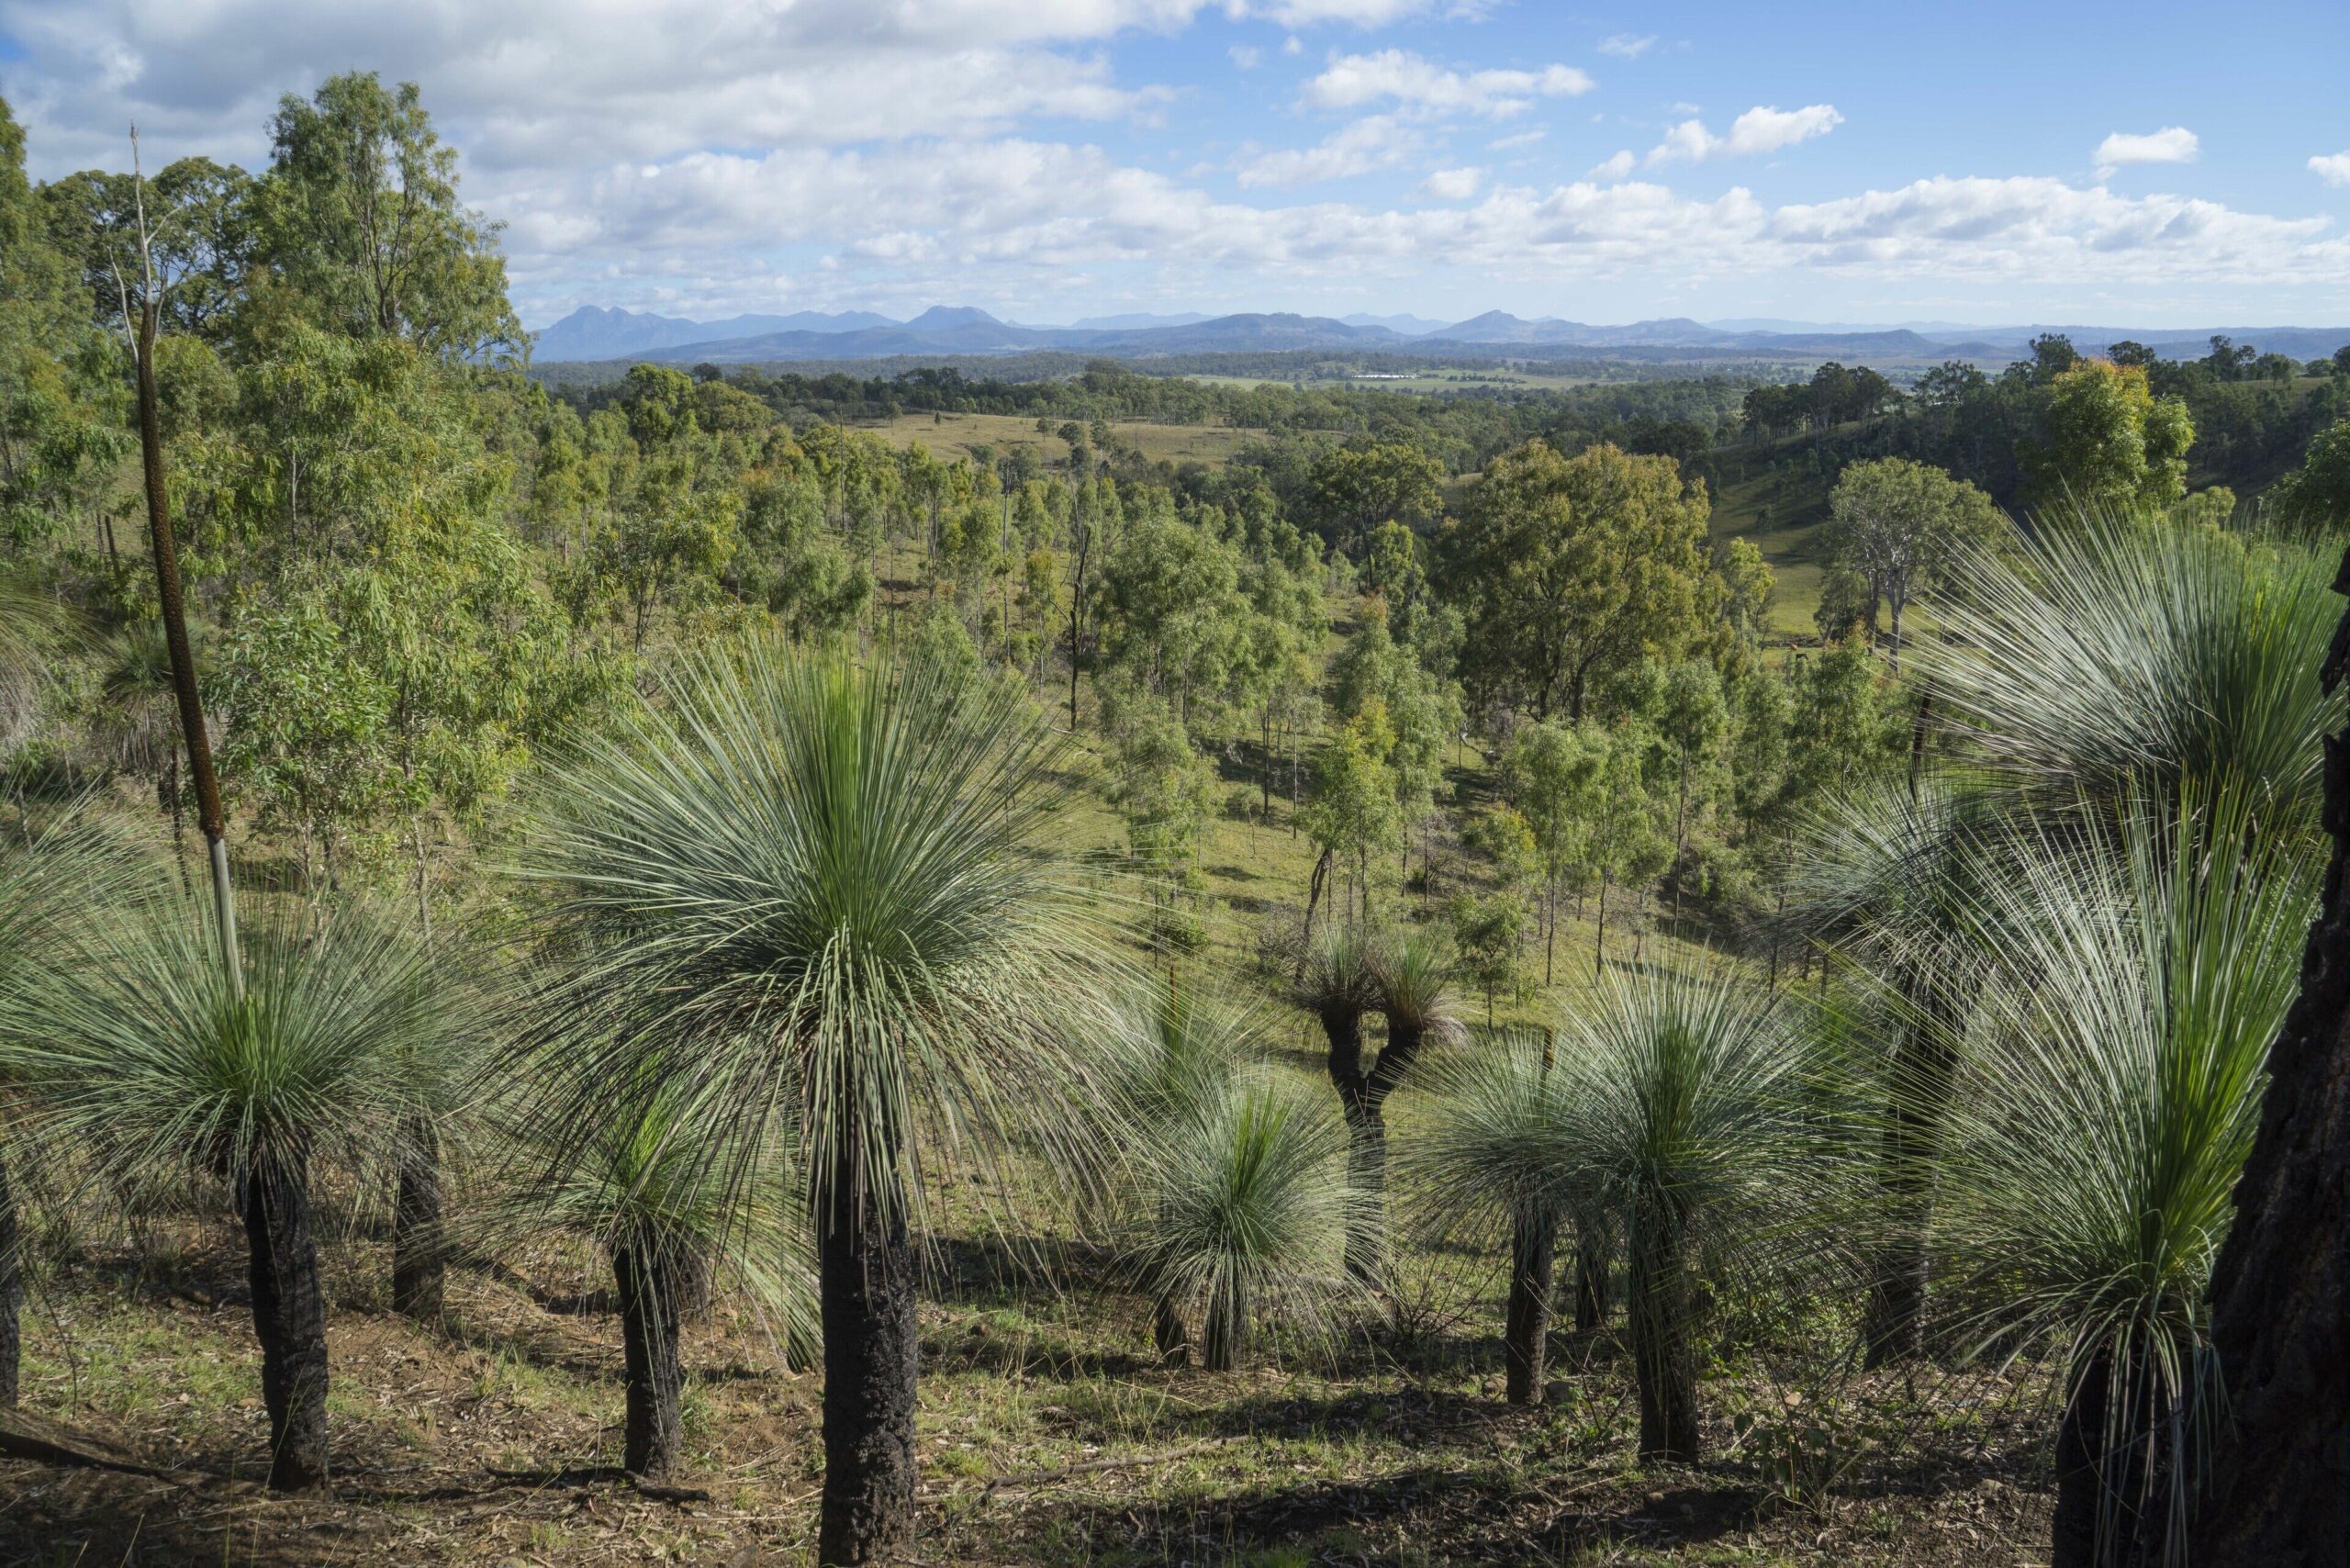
[821, 889]
[157, 1073]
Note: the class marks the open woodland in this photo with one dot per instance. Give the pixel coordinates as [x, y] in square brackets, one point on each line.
[1136, 968]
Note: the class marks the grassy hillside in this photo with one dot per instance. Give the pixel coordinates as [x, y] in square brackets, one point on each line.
[953, 436]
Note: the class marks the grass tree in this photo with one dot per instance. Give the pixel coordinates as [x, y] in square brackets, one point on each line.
[159, 1071]
[1883, 875]
[1693, 1123]
[1336, 977]
[671, 1188]
[1224, 1198]
[2112, 653]
[1412, 985]
[816, 889]
[52, 881]
[2103, 1114]
[1497, 1147]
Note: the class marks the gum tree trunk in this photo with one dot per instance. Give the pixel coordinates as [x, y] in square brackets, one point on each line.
[648, 1300]
[290, 1319]
[1525, 1334]
[866, 1276]
[2280, 1493]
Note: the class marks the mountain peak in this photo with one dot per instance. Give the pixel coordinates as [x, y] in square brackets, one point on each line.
[954, 316]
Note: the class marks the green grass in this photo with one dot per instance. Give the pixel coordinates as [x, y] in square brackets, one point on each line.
[950, 436]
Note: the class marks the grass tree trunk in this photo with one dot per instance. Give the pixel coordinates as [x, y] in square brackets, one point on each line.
[1526, 1334]
[1664, 1348]
[1167, 1331]
[1592, 1264]
[1892, 1326]
[2108, 1516]
[12, 1292]
[2280, 1291]
[420, 1260]
[647, 1283]
[290, 1320]
[1227, 1328]
[1366, 1138]
[866, 1276]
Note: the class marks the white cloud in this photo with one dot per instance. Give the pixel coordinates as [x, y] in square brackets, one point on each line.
[1758, 130]
[1615, 168]
[848, 154]
[1248, 57]
[2333, 168]
[1627, 46]
[1453, 185]
[2172, 144]
[1520, 139]
[1377, 141]
[1351, 80]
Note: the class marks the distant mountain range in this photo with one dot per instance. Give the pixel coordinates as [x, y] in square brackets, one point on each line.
[593, 333]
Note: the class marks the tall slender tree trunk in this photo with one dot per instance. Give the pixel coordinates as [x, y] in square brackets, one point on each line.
[1526, 1333]
[12, 1292]
[419, 1260]
[290, 1319]
[1664, 1351]
[2280, 1492]
[647, 1283]
[166, 548]
[866, 1276]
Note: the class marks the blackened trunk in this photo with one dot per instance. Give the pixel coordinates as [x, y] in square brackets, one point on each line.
[1892, 1326]
[1526, 1336]
[1591, 1281]
[1167, 1331]
[1227, 1328]
[12, 1292]
[1663, 1349]
[290, 1320]
[1367, 1184]
[2102, 1518]
[865, 1267]
[647, 1283]
[420, 1260]
[2279, 1493]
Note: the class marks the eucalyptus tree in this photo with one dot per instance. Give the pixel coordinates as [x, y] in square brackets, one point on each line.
[164, 1071]
[2105, 1102]
[820, 889]
[1223, 1198]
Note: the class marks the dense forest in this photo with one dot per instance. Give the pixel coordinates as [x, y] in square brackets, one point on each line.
[667, 825]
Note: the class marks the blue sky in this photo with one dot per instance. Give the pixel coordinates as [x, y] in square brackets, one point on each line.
[2138, 165]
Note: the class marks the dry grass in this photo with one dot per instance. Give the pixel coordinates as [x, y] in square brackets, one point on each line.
[1047, 1437]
